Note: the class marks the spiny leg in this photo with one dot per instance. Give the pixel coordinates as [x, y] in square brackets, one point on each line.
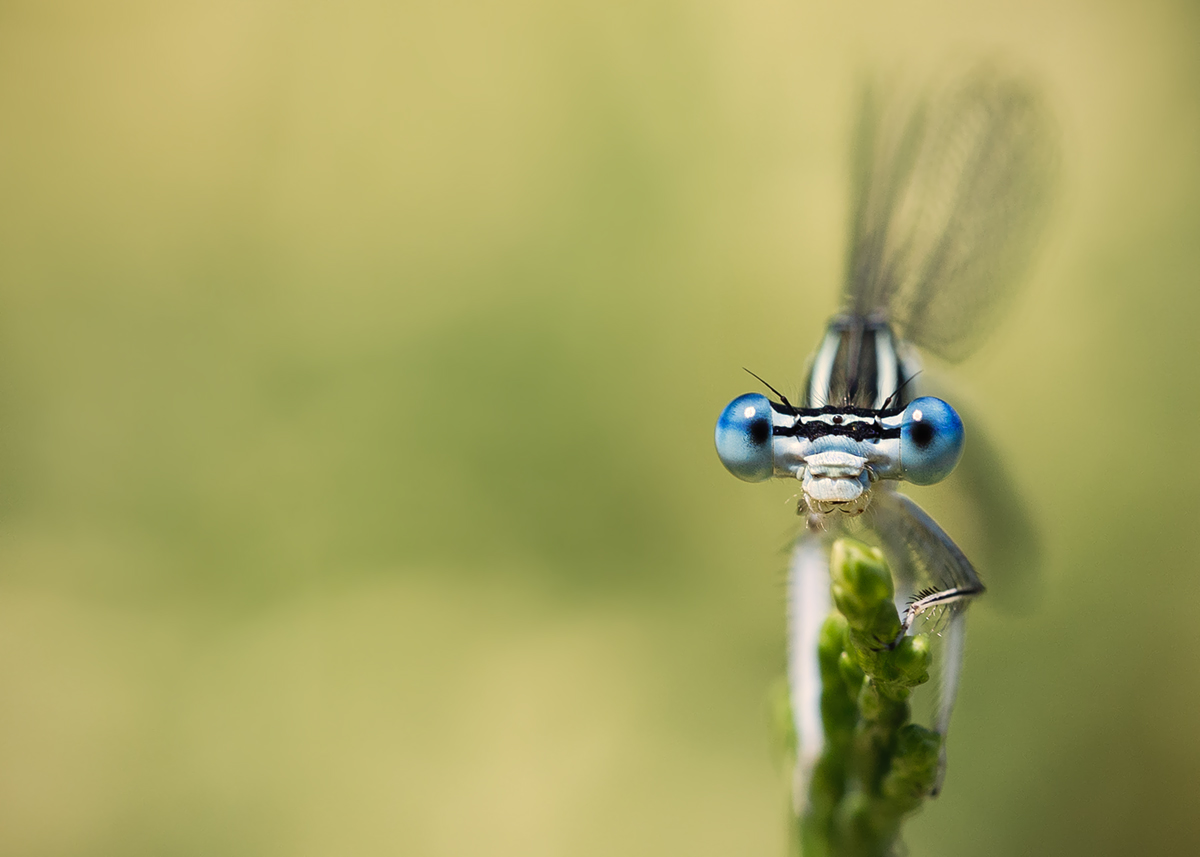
[954, 597]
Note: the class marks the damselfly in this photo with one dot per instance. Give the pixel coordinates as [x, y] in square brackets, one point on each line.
[947, 194]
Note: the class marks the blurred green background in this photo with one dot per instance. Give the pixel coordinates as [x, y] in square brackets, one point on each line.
[358, 368]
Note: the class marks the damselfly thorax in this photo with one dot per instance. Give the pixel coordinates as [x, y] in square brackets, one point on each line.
[861, 363]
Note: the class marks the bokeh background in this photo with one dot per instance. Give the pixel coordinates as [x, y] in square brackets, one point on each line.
[358, 368]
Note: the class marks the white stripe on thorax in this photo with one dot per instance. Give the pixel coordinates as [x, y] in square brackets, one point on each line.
[822, 370]
[886, 369]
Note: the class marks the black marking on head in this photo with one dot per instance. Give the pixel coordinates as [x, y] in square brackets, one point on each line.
[857, 430]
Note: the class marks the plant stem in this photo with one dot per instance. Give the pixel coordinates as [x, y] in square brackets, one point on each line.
[877, 766]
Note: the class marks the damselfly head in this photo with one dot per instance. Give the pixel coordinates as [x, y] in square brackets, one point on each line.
[838, 453]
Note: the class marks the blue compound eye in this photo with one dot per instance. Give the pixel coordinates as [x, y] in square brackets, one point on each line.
[744, 432]
[931, 441]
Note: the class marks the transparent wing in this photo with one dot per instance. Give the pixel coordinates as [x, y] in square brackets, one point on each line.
[949, 195]
[922, 556]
